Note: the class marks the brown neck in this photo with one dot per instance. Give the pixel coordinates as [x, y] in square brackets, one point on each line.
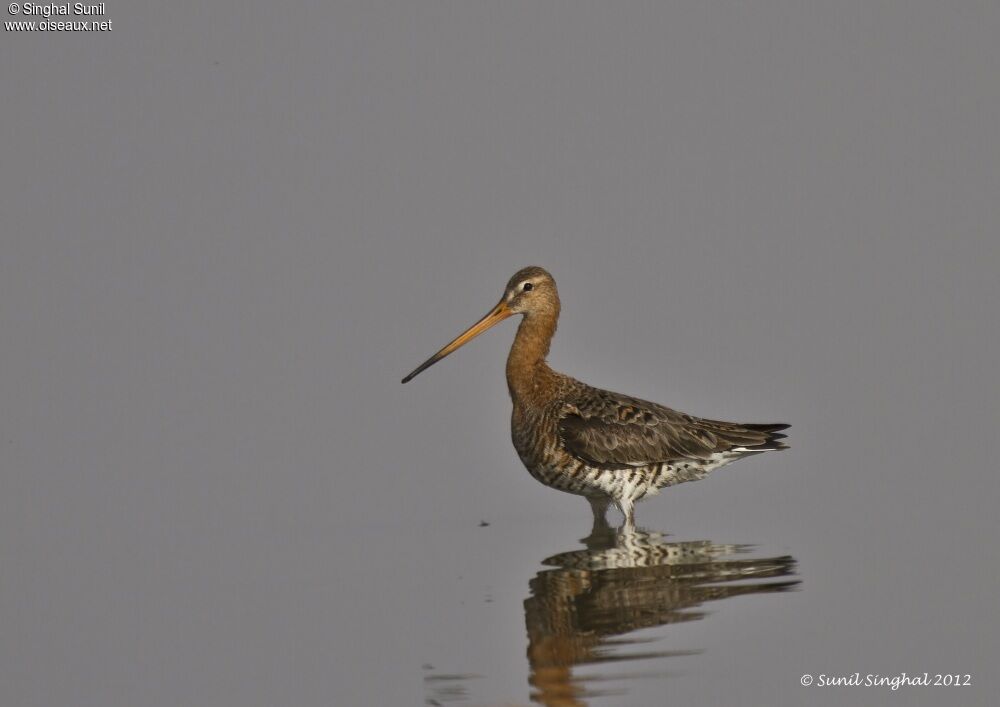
[526, 361]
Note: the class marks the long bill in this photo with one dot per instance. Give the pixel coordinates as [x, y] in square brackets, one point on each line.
[496, 315]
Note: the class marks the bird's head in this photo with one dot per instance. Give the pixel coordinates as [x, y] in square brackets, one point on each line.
[531, 292]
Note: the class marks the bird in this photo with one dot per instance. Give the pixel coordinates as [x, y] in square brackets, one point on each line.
[608, 447]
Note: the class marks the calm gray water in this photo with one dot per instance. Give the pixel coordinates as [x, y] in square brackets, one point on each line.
[229, 230]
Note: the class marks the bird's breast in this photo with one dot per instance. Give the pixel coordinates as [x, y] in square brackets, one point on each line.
[535, 435]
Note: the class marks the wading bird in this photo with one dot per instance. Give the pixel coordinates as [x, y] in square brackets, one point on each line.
[604, 446]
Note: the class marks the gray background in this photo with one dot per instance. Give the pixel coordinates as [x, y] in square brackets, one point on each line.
[230, 228]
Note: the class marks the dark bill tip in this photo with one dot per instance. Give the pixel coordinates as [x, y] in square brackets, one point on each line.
[422, 367]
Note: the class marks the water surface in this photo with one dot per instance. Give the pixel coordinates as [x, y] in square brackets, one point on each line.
[228, 232]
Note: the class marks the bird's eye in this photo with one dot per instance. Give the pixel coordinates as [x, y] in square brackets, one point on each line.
[527, 287]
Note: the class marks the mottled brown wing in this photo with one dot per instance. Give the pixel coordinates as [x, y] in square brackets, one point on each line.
[608, 429]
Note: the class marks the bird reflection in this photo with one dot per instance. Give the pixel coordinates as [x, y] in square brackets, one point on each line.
[581, 611]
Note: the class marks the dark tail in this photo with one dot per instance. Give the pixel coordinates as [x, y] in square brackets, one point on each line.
[772, 436]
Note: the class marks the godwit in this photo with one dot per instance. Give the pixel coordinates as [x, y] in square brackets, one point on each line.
[605, 446]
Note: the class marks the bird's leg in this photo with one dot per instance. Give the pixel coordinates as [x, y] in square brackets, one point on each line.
[599, 505]
[627, 507]
[629, 524]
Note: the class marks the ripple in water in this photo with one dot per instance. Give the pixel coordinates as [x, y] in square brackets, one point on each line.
[583, 610]
[586, 606]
